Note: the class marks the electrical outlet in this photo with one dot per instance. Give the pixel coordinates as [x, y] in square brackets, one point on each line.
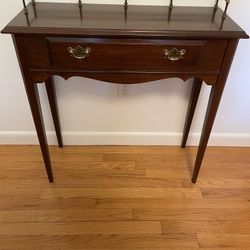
[122, 90]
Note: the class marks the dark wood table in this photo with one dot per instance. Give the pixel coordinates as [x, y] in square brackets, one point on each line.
[120, 44]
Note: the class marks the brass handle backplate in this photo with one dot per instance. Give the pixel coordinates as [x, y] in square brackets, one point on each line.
[79, 52]
[174, 54]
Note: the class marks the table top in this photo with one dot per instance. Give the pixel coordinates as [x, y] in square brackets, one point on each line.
[116, 20]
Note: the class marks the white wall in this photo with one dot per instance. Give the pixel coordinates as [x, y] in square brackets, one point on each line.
[153, 113]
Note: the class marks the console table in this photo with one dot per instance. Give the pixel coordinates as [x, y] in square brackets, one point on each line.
[124, 44]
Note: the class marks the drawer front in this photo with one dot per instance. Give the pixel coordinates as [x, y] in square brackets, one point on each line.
[137, 55]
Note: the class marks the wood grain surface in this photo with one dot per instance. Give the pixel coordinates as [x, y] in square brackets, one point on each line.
[130, 198]
[115, 20]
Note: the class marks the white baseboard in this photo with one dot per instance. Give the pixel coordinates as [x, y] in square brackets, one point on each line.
[124, 138]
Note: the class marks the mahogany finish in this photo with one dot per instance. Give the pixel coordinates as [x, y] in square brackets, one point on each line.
[213, 104]
[114, 20]
[50, 88]
[197, 84]
[141, 55]
[124, 45]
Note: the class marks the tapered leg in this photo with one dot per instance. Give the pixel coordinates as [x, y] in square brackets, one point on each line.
[34, 101]
[191, 109]
[213, 104]
[33, 97]
[49, 84]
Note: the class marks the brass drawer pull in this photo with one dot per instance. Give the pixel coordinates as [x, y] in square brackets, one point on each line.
[79, 52]
[174, 54]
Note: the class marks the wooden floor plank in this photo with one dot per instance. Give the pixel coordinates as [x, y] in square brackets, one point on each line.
[222, 183]
[121, 192]
[114, 242]
[193, 214]
[131, 181]
[168, 173]
[172, 203]
[226, 193]
[223, 240]
[206, 227]
[62, 215]
[100, 227]
[33, 153]
[32, 201]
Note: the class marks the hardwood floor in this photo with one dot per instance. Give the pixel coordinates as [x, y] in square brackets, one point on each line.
[124, 198]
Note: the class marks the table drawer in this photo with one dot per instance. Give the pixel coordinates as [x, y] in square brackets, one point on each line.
[137, 55]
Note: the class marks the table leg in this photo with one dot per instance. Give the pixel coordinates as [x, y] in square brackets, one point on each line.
[50, 87]
[213, 104]
[35, 106]
[34, 101]
[191, 109]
